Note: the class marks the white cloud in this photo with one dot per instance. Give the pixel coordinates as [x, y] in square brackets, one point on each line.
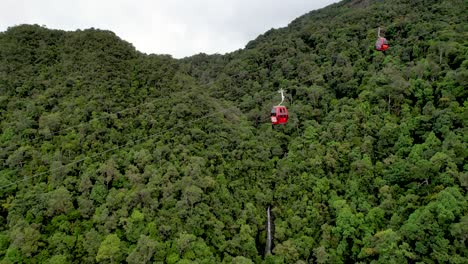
[177, 27]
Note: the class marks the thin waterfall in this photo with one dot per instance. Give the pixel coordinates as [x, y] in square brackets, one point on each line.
[268, 241]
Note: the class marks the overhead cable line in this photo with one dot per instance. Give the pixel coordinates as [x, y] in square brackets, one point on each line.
[103, 117]
[114, 148]
[118, 147]
[121, 111]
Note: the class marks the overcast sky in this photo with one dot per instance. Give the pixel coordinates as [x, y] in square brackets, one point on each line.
[177, 27]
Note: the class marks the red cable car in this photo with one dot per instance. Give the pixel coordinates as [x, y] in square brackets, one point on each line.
[381, 44]
[279, 115]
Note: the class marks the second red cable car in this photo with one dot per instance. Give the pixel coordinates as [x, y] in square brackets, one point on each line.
[381, 44]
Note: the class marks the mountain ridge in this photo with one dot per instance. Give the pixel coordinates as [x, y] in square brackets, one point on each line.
[111, 155]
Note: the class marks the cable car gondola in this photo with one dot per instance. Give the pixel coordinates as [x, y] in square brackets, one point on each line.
[381, 44]
[279, 113]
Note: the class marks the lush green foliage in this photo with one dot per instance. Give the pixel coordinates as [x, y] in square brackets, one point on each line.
[109, 155]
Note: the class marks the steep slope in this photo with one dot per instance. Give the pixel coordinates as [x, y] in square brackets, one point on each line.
[109, 155]
[89, 144]
[333, 47]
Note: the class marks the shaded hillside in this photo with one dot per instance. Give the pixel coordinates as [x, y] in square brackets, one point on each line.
[108, 155]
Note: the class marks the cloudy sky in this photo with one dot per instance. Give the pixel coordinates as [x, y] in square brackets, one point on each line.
[177, 27]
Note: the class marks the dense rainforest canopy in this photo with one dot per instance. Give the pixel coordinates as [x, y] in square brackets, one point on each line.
[109, 155]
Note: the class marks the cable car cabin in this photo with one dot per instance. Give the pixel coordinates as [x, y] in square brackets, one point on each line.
[279, 115]
[381, 44]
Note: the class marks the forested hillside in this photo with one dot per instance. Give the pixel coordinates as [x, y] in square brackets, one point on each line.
[108, 155]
